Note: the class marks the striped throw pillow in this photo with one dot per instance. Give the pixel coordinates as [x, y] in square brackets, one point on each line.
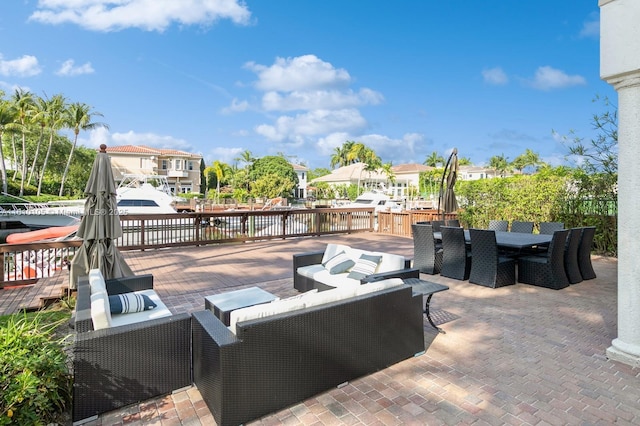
[364, 266]
[339, 263]
[128, 303]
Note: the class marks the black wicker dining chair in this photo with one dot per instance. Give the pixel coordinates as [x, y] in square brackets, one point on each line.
[548, 270]
[488, 267]
[427, 254]
[584, 253]
[548, 228]
[523, 227]
[456, 257]
[437, 224]
[571, 264]
[498, 225]
[453, 222]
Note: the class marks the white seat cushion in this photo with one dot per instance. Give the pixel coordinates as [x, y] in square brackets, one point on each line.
[159, 311]
[379, 285]
[335, 280]
[309, 271]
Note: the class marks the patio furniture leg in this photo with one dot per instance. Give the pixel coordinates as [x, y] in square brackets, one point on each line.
[428, 313]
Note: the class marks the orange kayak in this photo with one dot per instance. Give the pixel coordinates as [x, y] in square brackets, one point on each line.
[41, 234]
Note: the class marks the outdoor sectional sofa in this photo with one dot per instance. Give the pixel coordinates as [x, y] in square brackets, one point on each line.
[319, 341]
[312, 270]
[135, 357]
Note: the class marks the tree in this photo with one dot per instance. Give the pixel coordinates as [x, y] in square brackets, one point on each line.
[272, 166]
[79, 117]
[340, 156]
[220, 171]
[8, 116]
[597, 160]
[464, 161]
[272, 185]
[23, 101]
[526, 159]
[433, 160]
[500, 164]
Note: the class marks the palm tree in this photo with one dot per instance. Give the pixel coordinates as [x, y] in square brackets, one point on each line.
[499, 163]
[55, 121]
[8, 116]
[79, 117]
[40, 113]
[219, 169]
[23, 101]
[340, 156]
[434, 159]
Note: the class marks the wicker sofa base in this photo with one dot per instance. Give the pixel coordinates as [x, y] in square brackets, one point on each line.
[278, 361]
[123, 365]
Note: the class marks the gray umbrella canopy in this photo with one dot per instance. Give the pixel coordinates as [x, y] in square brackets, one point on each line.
[447, 202]
[450, 202]
[99, 226]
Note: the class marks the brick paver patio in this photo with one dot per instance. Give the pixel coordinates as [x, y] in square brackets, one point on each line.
[514, 355]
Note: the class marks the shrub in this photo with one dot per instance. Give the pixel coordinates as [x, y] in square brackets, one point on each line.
[35, 384]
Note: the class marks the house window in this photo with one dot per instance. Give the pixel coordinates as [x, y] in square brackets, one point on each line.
[190, 165]
[165, 166]
[178, 164]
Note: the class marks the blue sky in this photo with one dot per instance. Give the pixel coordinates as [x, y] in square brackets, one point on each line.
[301, 77]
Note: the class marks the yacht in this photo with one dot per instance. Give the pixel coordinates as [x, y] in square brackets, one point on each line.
[377, 199]
[135, 195]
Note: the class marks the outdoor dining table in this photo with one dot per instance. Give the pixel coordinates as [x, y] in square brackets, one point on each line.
[511, 240]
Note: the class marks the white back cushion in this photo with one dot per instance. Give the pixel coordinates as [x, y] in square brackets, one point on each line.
[390, 262]
[100, 311]
[264, 310]
[333, 249]
[329, 296]
[96, 281]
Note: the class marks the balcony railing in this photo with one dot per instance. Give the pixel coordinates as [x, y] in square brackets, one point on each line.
[25, 263]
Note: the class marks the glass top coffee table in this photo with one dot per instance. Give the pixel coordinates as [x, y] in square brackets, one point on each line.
[224, 303]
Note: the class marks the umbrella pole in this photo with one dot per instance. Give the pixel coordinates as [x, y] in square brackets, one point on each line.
[444, 173]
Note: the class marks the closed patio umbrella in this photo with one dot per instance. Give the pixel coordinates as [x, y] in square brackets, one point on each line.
[447, 194]
[99, 226]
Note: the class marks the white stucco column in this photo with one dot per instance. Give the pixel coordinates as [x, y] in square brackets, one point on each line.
[620, 66]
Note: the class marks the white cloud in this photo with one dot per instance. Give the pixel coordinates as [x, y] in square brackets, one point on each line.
[319, 99]
[26, 66]
[548, 78]
[226, 155]
[306, 72]
[236, 106]
[149, 15]
[68, 68]
[591, 27]
[328, 143]
[495, 76]
[102, 135]
[312, 123]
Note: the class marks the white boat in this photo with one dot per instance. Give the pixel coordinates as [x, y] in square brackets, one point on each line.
[377, 199]
[136, 194]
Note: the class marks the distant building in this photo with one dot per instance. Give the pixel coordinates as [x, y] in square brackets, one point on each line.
[405, 177]
[301, 190]
[181, 168]
[478, 172]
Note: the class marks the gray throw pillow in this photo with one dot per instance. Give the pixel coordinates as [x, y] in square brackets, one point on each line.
[339, 263]
[365, 266]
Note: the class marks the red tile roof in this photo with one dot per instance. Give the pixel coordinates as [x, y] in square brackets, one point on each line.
[141, 149]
